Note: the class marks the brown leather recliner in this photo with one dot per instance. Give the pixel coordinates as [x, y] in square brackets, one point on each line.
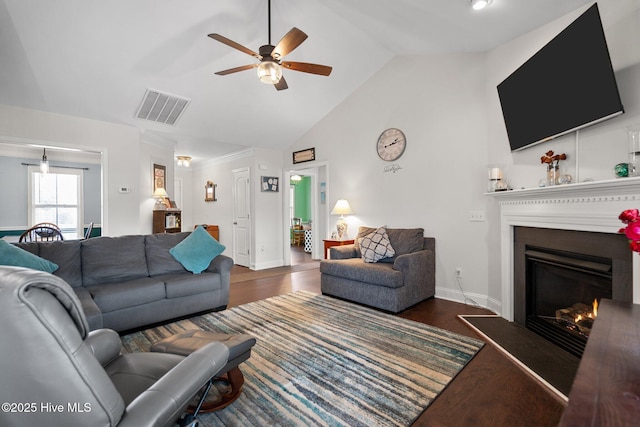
[54, 372]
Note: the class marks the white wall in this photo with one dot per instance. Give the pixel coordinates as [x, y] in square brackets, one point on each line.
[439, 103]
[150, 154]
[266, 247]
[125, 163]
[448, 107]
[600, 147]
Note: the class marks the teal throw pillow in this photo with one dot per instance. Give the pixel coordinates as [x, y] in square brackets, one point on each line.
[197, 250]
[17, 257]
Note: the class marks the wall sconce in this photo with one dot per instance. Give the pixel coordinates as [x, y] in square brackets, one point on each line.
[295, 179]
[210, 192]
[342, 208]
[161, 195]
[183, 161]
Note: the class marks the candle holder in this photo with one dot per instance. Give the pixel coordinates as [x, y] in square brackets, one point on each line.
[496, 180]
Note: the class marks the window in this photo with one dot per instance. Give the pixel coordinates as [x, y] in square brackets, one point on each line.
[57, 197]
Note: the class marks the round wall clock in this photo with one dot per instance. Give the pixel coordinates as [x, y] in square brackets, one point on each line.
[391, 144]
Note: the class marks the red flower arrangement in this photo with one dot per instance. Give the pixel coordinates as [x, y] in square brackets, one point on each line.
[631, 217]
[551, 159]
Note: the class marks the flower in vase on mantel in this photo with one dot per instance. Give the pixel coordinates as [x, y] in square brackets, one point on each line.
[631, 217]
[553, 164]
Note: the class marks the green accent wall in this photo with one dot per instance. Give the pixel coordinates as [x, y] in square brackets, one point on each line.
[302, 199]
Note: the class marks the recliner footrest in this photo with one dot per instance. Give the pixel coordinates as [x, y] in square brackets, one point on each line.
[239, 350]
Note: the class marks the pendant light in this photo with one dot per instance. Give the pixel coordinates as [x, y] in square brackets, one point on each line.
[44, 163]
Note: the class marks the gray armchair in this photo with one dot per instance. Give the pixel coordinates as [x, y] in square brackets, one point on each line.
[54, 372]
[392, 284]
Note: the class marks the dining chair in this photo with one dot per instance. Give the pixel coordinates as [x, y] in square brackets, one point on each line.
[41, 233]
[297, 232]
[47, 224]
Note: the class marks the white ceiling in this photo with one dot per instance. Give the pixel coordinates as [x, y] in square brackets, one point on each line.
[95, 58]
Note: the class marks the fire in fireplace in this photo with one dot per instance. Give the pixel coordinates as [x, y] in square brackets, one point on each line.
[561, 276]
[578, 318]
[564, 282]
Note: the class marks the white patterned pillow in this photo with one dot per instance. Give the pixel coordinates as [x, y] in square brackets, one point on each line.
[376, 246]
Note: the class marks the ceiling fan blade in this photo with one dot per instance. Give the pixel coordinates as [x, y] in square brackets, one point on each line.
[236, 69]
[282, 84]
[305, 67]
[290, 41]
[231, 43]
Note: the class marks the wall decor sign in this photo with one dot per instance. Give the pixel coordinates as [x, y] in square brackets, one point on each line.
[159, 177]
[270, 184]
[306, 155]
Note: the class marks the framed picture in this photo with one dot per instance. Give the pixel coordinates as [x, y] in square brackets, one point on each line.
[170, 221]
[270, 184]
[159, 177]
[306, 155]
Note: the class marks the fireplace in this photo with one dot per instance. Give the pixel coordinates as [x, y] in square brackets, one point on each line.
[561, 275]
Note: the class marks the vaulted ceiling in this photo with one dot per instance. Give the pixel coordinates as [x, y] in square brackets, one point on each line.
[96, 58]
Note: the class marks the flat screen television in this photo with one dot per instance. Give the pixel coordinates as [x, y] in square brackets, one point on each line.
[567, 85]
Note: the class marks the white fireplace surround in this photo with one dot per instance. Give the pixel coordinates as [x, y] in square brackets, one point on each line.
[588, 206]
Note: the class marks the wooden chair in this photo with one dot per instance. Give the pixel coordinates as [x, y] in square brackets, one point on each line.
[47, 224]
[297, 232]
[41, 233]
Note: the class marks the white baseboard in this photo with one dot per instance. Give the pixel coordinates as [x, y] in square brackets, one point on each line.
[457, 296]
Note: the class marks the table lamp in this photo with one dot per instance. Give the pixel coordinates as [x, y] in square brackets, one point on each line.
[342, 208]
[161, 195]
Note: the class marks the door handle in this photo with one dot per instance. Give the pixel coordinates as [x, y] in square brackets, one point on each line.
[235, 223]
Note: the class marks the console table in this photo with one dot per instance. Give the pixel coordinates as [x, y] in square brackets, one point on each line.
[330, 242]
[606, 390]
[213, 230]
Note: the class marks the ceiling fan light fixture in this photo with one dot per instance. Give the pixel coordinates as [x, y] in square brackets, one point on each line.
[183, 161]
[480, 4]
[269, 72]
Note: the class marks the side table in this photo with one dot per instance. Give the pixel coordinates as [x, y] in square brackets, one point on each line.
[329, 243]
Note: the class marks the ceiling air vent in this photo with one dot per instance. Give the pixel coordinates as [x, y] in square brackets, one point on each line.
[161, 107]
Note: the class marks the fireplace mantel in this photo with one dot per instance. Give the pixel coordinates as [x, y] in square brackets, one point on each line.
[611, 190]
[588, 206]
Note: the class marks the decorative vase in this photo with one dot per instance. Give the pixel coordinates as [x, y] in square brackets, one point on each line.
[634, 152]
[621, 170]
[552, 174]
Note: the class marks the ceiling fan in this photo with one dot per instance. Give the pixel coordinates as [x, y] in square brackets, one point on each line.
[271, 63]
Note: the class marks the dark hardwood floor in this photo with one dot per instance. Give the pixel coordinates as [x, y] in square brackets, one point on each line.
[490, 391]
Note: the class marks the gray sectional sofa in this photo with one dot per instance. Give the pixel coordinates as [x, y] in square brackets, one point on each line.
[392, 284]
[128, 282]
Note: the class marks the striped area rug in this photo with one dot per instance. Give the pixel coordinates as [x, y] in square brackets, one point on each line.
[320, 361]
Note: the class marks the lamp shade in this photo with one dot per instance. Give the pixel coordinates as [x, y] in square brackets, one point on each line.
[269, 72]
[342, 207]
[160, 192]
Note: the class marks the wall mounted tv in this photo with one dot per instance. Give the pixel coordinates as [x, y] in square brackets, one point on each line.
[567, 85]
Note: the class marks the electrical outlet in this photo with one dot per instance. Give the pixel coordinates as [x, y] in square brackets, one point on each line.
[458, 273]
[476, 216]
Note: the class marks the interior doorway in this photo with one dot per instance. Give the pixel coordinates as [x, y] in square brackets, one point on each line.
[306, 202]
